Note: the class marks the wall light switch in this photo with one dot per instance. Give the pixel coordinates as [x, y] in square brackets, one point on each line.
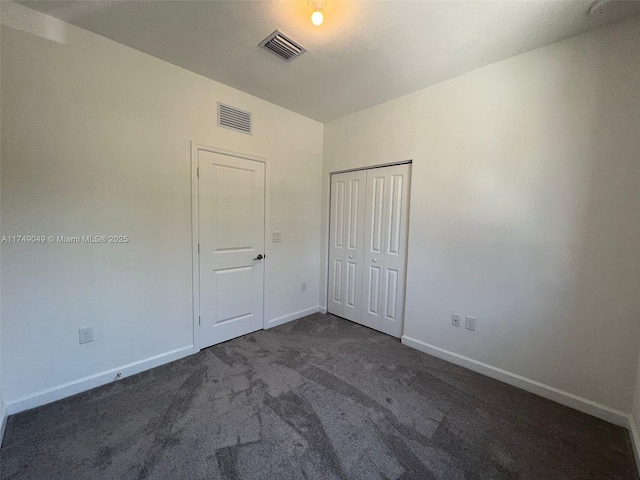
[276, 237]
[470, 323]
[455, 319]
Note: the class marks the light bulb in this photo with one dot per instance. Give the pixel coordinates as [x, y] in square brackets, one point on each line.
[317, 18]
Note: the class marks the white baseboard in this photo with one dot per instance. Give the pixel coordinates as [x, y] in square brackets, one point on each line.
[560, 396]
[292, 316]
[635, 440]
[3, 420]
[86, 383]
[322, 310]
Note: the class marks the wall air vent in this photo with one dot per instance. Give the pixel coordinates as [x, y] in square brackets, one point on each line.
[234, 118]
[282, 46]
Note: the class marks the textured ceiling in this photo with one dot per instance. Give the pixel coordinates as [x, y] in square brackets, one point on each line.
[366, 52]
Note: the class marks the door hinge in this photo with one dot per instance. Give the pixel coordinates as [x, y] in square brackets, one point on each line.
[198, 319]
[198, 248]
[198, 172]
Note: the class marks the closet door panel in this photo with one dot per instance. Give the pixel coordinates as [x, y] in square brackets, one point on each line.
[374, 246]
[354, 221]
[337, 243]
[396, 205]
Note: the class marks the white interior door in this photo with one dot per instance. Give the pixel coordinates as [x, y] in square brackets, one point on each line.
[368, 246]
[376, 216]
[337, 235]
[346, 250]
[231, 237]
[395, 226]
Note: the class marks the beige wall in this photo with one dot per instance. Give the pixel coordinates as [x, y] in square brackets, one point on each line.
[96, 140]
[524, 210]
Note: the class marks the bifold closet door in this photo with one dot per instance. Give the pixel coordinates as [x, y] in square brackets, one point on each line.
[387, 215]
[346, 244]
[368, 246]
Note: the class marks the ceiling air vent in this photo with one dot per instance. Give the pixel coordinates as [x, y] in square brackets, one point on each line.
[282, 46]
[234, 118]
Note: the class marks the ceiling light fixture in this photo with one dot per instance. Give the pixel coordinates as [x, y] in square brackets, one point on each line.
[317, 17]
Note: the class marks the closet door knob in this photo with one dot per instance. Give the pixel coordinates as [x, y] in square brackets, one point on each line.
[350, 256]
[375, 259]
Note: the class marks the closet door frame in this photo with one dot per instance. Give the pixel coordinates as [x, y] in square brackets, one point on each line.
[330, 224]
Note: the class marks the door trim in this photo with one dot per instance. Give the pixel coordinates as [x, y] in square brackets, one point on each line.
[325, 308]
[195, 232]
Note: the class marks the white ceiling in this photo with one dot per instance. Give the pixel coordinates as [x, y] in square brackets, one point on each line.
[366, 52]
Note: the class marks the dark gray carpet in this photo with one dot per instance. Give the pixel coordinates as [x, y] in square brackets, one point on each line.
[318, 398]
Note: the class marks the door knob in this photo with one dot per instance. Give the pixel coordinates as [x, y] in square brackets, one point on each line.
[259, 257]
[350, 256]
[375, 259]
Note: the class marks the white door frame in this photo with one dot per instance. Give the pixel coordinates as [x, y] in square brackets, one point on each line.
[195, 232]
[328, 233]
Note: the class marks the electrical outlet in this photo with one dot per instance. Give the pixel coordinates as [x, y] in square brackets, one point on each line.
[470, 323]
[86, 335]
[455, 319]
[276, 237]
[303, 286]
